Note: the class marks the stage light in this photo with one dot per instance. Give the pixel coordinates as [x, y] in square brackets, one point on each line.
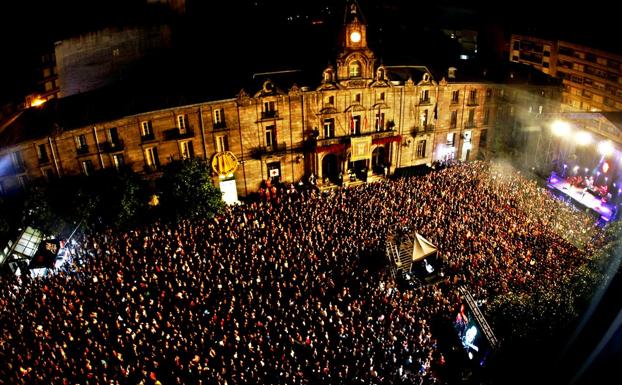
[586, 169]
[560, 128]
[605, 167]
[583, 138]
[605, 147]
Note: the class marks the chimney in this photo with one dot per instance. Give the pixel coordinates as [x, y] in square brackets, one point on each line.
[451, 73]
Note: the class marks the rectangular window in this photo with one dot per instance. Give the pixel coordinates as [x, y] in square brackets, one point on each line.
[488, 94]
[329, 128]
[516, 45]
[182, 123]
[42, 153]
[455, 96]
[486, 116]
[331, 100]
[425, 96]
[269, 110]
[382, 96]
[357, 98]
[471, 119]
[81, 141]
[222, 143]
[379, 121]
[424, 119]
[450, 138]
[473, 97]
[421, 146]
[151, 158]
[48, 174]
[146, 129]
[113, 136]
[18, 160]
[453, 122]
[118, 161]
[23, 181]
[87, 167]
[271, 136]
[467, 136]
[186, 150]
[219, 116]
[356, 125]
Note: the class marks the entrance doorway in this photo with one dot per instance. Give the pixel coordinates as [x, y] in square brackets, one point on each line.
[274, 172]
[330, 168]
[378, 160]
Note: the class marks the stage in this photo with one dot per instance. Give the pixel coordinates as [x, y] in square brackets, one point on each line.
[581, 197]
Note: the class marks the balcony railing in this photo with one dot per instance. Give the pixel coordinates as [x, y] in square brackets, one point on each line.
[422, 130]
[81, 150]
[472, 102]
[175, 134]
[111, 146]
[147, 138]
[269, 114]
[220, 125]
[258, 152]
[469, 125]
[425, 101]
[455, 101]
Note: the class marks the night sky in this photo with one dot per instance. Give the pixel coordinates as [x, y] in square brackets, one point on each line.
[255, 27]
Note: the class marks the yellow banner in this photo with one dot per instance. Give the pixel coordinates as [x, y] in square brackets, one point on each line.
[361, 147]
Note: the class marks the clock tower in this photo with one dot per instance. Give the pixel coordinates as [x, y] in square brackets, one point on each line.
[355, 62]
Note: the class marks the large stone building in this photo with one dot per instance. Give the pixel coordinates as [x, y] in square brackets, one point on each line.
[592, 78]
[360, 120]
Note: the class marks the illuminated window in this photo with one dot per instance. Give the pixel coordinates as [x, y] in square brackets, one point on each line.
[117, 161]
[219, 115]
[271, 136]
[355, 69]
[87, 167]
[186, 151]
[182, 123]
[329, 128]
[421, 146]
[222, 143]
[146, 128]
[151, 158]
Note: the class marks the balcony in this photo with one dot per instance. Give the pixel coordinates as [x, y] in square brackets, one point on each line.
[111, 146]
[220, 125]
[472, 102]
[147, 138]
[422, 130]
[82, 150]
[423, 102]
[469, 125]
[269, 114]
[276, 148]
[176, 134]
[455, 101]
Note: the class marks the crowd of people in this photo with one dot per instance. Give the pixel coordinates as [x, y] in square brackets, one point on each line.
[281, 291]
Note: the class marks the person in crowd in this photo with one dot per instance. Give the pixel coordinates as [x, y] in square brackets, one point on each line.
[279, 291]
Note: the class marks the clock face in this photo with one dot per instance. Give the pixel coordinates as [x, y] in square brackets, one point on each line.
[355, 37]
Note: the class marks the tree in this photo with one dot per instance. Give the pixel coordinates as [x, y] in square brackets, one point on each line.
[188, 191]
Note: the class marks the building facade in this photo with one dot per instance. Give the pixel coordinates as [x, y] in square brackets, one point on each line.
[592, 78]
[363, 121]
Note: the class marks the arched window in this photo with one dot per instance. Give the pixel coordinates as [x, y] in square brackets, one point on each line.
[327, 76]
[355, 69]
